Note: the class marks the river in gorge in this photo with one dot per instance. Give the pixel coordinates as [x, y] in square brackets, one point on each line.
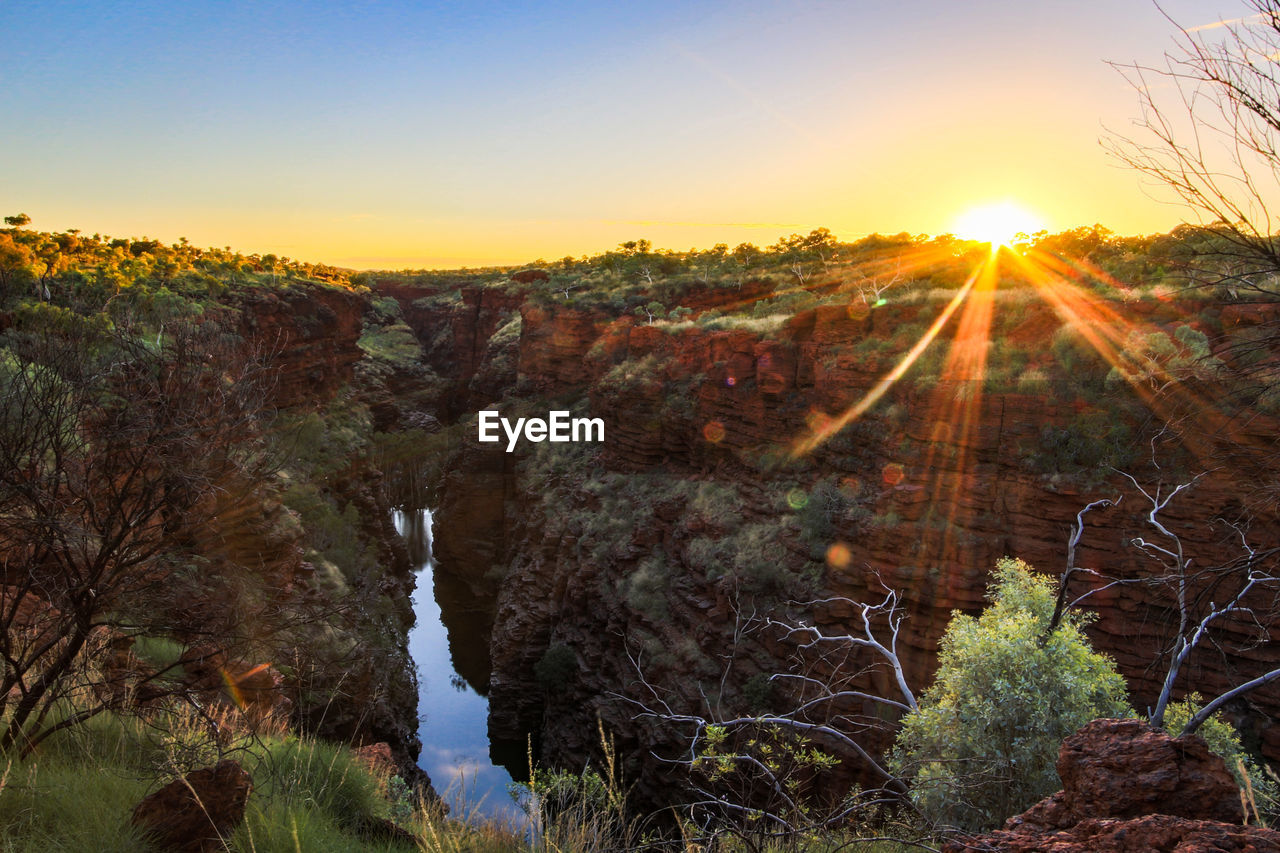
[452, 714]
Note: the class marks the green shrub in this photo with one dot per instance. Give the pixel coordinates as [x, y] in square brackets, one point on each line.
[717, 503]
[77, 794]
[759, 560]
[160, 653]
[983, 744]
[69, 806]
[827, 505]
[330, 531]
[646, 587]
[323, 776]
[508, 332]
[1080, 362]
[1033, 381]
[1084, 448]
[574, 811]
[556, 668]
[757, 693]
[1224, 741]
[386, 308]
[395, 344]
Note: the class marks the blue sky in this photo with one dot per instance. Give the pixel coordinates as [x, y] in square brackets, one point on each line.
[441, 134]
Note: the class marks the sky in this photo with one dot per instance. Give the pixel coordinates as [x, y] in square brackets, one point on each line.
[404, 134]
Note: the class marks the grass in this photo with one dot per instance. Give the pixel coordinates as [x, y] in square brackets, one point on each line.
[57, 806]
[50, 803]
[77, 793]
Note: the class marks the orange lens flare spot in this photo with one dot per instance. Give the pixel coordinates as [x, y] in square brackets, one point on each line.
[839, 556]
[893, 474]
[713, 432]
[233, 689]
[817, 421]
[252, 672]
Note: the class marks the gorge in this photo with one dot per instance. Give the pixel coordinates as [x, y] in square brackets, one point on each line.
[774, 450]
[630, 566]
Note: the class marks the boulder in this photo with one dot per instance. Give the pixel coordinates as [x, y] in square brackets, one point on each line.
[1127, 768]
[194, 814]
[1127, 786]
[378, 758]
[1155, 833]
[528, 276]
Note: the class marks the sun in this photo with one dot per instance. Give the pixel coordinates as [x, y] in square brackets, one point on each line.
[997, 224]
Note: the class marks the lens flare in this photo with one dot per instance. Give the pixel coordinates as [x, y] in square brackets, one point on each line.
[839, 556]
[949, 464]
[819, 433]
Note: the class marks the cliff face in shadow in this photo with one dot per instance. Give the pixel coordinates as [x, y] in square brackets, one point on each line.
[320, 538]
[705, 505]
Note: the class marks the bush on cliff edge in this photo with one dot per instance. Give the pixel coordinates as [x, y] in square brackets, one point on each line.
[984, 742]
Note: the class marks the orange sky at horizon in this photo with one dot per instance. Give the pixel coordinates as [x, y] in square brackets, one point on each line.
[413, 136]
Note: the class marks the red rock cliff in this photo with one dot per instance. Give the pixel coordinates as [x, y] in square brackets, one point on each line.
[942, 477]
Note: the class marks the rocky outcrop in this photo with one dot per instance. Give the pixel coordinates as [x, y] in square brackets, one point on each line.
[196, 813]
[1155, 833]
[1130, 787]
[1127, 768]
[554, 343]
[470, 555]
[307, 332]
[454, 332]
[375, 677]
[377, 758]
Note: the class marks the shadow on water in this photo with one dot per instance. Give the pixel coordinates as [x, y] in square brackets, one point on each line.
[452, 708]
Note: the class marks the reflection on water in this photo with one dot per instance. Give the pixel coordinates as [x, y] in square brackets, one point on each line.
[454, 717]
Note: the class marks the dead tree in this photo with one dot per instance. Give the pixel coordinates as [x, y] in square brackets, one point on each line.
[1209, 131]
[756, 770]
[873, 287]
[1205, 597]
[112, 454]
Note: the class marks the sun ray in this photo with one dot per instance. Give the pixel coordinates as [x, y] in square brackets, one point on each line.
[950, 470]
[955, 408]
[1062, 284]
[827, 427]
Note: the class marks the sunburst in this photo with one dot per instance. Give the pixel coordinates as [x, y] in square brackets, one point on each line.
[998, 224]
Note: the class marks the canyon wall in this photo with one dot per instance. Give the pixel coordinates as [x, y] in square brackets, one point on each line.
[615, 559]
[307, 334]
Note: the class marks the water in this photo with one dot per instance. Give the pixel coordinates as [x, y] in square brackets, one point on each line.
[453, 717]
